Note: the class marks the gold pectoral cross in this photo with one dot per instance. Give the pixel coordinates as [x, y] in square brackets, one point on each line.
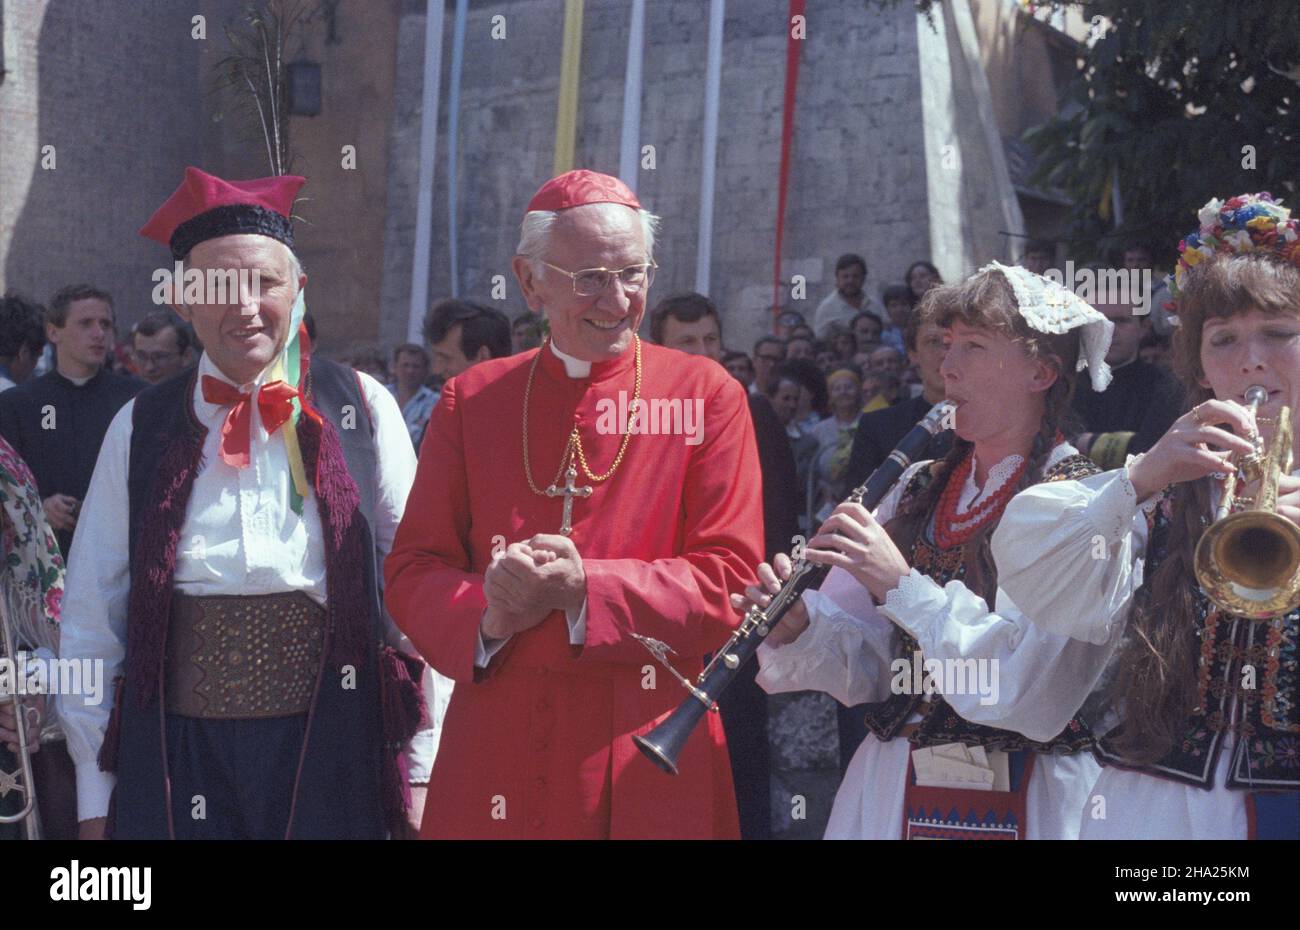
[569, 491]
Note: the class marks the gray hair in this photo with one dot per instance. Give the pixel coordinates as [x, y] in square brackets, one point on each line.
[535, 231]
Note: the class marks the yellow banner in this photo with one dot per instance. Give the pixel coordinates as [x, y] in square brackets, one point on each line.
[566, 111]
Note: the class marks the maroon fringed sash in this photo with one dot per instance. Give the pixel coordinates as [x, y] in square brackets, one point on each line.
[339, 503]
[159, 532]
[403, 713]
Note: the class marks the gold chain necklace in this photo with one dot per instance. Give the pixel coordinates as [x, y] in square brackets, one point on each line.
[574, 455]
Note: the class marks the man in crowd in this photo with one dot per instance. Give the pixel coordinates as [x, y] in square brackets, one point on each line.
[538, 550]
[1142, 402]
[888, 360]
[57, 422]
[768, 353]
[22, 337]
[416, 400]
[161, 347]
[741, 367]
[880, 431]
[525, 333]
[800, 347]
[1040, 255]
[690, 322]
[898, 307]
[876, 436]
[461, 334]
[1140, 257]
[866, 330]
[848, 299]
[225, 567]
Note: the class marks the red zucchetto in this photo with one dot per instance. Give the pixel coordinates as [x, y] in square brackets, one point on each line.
[579, 188]
[205, 207]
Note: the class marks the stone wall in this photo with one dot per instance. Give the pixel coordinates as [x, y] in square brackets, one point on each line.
[857, 183]
[339, 233]
[124, 92]
[121, 90]
[112, 89]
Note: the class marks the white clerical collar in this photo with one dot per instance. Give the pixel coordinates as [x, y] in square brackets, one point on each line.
[573, 367]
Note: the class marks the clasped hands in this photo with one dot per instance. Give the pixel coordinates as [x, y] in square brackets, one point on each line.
[851, 539]
[528, 580]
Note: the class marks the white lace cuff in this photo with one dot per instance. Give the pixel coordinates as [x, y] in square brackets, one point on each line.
[1112, 510]
[1150, 503]
[916, 604]
[801, 665]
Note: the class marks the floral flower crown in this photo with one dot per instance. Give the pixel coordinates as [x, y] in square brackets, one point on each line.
[1246, 223]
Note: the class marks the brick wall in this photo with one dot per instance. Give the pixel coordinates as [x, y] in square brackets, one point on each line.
[111, 87]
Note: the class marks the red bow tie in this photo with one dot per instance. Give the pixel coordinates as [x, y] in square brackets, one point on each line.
[274, 405]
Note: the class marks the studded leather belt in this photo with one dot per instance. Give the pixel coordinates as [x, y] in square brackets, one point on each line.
[236, 657]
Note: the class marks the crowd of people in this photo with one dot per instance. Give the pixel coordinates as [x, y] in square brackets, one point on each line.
[862, 355]
[214, 506]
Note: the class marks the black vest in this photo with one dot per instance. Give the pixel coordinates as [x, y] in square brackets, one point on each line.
[941, 724]
[340, 776]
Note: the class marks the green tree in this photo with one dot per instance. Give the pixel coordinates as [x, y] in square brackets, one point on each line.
[1177, 102]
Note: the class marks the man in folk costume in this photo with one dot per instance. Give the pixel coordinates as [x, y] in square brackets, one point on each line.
[903, 620]
[554, 519]
[225, 565]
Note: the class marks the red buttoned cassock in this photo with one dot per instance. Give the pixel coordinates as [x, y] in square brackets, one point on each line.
[539, 744]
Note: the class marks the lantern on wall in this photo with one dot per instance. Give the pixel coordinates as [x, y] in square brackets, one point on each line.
[304, 83]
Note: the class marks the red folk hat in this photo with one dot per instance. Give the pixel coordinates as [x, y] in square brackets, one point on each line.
[205, 207]
[579, 188]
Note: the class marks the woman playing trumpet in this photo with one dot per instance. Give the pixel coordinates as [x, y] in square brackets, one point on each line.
[906, 599]
[1198, 708]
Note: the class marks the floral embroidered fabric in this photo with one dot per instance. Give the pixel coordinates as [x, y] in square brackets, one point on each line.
[33, 578]
[1247, 678]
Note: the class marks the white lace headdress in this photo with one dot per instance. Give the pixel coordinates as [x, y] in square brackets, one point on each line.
[1052, 308]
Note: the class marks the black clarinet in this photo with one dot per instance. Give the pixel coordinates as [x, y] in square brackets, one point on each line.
[663, 744]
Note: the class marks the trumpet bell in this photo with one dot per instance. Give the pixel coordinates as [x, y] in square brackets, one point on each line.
[1248, 564]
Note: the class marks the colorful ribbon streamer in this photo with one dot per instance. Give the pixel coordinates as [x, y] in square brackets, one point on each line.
[629, 147]
[792, 49]
[453, 131]
[709, 159]
[566, 111]
[428, 153]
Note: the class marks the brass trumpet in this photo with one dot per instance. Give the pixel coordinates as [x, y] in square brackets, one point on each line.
[1248, 563]
[21, 779]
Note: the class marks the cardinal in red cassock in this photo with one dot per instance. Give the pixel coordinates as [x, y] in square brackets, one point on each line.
[567, 498]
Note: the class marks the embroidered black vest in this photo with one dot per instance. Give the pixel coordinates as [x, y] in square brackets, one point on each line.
[940, 723]
[350, 783]
[1246, 683]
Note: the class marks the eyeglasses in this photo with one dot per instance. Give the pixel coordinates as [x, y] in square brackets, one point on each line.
[591, 282]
